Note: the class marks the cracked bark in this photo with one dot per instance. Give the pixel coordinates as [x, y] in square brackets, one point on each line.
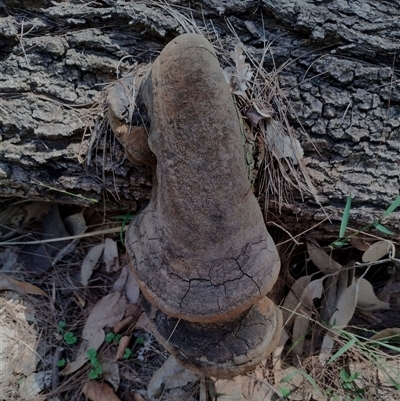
[339, 69]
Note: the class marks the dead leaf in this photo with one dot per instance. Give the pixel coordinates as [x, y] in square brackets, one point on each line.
[137, 397]
[97, 391]
[389, 372]
[108, 311]
[313, 290]
[90, 262]
[292, 300]
[366, 298]
[110, 255]
[31, 386]
[256, 388]
[118, 327]
[119, 285]
[110, 368]
[10, 283]
[281, 144]
[132, 310]
[359, 243]
[171, 376]
[122, 346]
[230, 389]
[75, 223]
[376, 251]
[95, 341]
[344, 312]
[143, 323]
[301, 322]
[132, 290]
[386, 333]
[321, 259]
[239, 76]
[37, 259]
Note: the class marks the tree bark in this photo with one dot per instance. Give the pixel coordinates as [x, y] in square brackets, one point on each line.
[337, 65]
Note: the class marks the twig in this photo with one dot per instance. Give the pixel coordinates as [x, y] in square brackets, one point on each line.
[55, 374]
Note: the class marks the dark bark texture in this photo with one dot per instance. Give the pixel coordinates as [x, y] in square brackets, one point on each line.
[337, 60]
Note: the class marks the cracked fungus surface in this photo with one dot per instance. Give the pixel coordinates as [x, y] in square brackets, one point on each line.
[184, 285]
[219, 348]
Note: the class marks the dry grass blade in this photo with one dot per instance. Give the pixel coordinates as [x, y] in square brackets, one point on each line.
[10, 283]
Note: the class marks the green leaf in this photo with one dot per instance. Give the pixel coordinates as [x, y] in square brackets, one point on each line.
[340, 243]
[342, 350]
[99, 370]
[61, 326]
[95, 362]
[93, 375]
[139, 340]
[91, 353]
[344, 375]
[127, 353]
[345, 218]
[70, 338]
[110, 337]
[285, 392]
[61, 363]
[117, 338]
[289, 376]
[395, 204]
[383, 229]
[354, 376]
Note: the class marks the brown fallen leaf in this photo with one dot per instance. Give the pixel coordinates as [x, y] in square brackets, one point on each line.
[119, 285]
[137, 397]
[377, 251]
[90, 262]
[344, 312]
[132, 310]
[108, 311]
[132, 290]
[302, 320]
[122, 346]
[110, 368]
[96, 391]
[366, 298]
[321, 259]
[118, 327]
[110, 255]
[10, 283]
[359, 243]
[386, 333]
[292, 300]
[170, 376]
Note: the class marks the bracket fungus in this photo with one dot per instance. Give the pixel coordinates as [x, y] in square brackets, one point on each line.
[200, 250]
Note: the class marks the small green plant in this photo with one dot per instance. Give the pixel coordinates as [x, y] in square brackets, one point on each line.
[344, 240]
[70, 338]
[61, 326]
[97, 370]
[127, 353]
[140, 340]
[111, 337]
[61, 363]
[347, 379]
